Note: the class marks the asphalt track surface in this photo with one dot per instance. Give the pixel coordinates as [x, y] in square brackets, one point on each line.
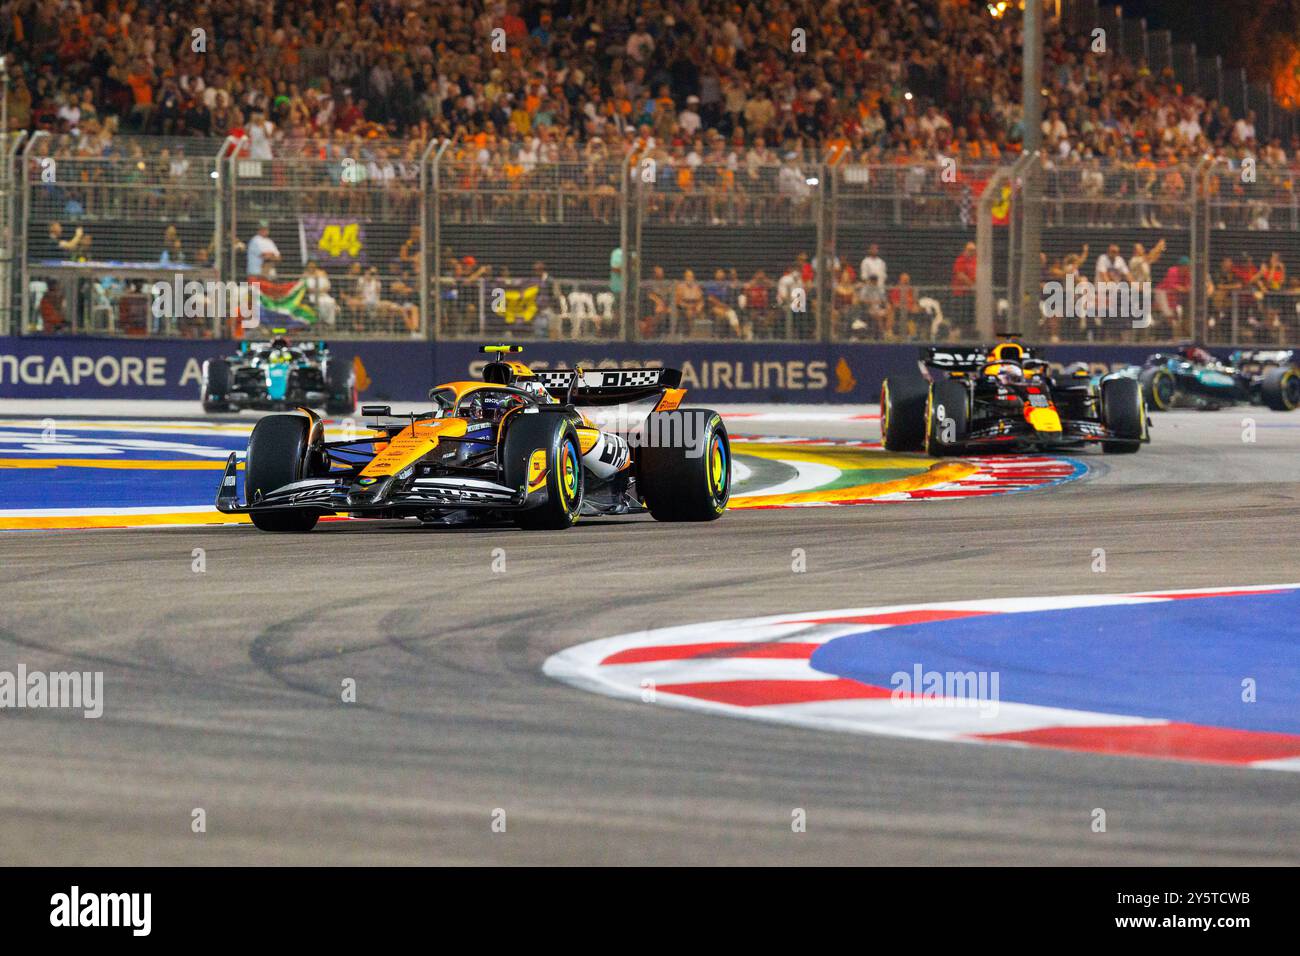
[223, 688]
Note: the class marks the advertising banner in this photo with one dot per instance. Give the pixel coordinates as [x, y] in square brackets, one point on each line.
[172, 369]
[713, 372]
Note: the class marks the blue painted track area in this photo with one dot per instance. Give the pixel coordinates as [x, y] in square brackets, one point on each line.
[1180, 660]
[96, 465]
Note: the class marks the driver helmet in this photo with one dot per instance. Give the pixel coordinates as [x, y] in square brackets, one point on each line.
[536, 389]
[1009, 374]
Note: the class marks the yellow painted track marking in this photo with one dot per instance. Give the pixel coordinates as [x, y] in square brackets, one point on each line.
[847, 459]
[936, 475]
[132, 464]
[73, 522]
[836, 457]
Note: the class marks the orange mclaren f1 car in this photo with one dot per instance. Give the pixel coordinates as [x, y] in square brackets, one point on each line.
[513, 445]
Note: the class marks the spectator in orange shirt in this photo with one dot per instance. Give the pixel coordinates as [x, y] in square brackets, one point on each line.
[142, 95]
[906, 308]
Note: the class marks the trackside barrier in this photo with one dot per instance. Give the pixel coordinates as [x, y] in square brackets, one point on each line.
[815, 372]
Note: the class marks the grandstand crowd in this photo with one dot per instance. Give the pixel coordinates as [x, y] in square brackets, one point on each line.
[733, 101]
[881, 79]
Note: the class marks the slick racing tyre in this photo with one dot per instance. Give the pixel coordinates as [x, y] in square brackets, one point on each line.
[555, 480]
[946, 418]
[1124, 414]
[902, 413]
[216, 386]
[1280, 389]
[1158, 388]
[684, 465]
[278, 454]
[340, 383]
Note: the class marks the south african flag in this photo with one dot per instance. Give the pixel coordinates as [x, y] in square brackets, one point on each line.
[285, 304]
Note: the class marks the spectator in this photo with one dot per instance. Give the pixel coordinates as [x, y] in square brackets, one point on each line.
[659, 295]
[1140, 265]
[963, 286]
[906, 306]
[756, 303]
[792, 297]
[720, 297]
[873, 265]
[1093, 183]
[318, 297]
[1171, 297]
[259, 132]
[263, 253]
[1272, 281]
[688, 300]
[1111, 266]
[844, 299]
[876, 309]
[369, 293]
[1225, 303]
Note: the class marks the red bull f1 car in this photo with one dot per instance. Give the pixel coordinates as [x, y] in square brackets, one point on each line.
[513, 445]
[1007, 399]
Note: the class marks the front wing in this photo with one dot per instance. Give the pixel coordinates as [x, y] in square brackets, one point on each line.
[338, 495]
[1015, 432]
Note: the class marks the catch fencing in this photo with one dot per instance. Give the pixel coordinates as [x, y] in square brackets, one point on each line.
[552, 240]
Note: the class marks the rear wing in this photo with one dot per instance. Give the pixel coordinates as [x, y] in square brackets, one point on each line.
[607, 386]
[953, 359]
[1264, 357]
[959, 358]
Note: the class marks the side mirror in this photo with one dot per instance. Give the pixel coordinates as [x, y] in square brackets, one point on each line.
[376, 411]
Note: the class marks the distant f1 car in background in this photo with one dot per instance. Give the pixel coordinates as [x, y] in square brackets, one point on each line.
[1006, 399]
[278, 376]
[512, 446]
[1194, 378]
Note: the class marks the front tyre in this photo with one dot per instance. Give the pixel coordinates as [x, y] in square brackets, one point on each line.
[278, 455]
[946, 418]
[1124, 414]
[340, 384]
[1158, 387]
[216, 386]
[902, 413]
[684, 465]
[1279, 389]
[541, 451]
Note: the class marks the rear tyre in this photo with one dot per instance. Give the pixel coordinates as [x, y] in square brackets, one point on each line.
[1280, 389]
[216, 386]
[340, 383]
[1124, 414]
[902, 413]
[684, 467]
[1158, 387]
[562, 482]
[278, 454]
[946, 418]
